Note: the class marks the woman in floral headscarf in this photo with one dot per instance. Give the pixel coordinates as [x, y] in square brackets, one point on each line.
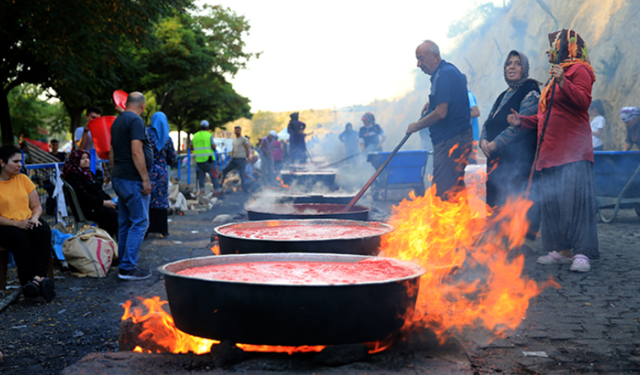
[565, 155]
[96, 204]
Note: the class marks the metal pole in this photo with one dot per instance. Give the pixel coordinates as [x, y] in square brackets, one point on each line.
[179, 166]
[188, 166]
[93, 160]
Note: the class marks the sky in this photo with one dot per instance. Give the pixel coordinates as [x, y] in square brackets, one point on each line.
[334, 54]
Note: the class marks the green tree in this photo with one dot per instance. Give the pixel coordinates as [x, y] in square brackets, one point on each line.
[76, 47]
[33, 117]
[193, 46]
[209, 97]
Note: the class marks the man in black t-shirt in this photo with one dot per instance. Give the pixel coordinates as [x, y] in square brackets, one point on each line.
[131, 158]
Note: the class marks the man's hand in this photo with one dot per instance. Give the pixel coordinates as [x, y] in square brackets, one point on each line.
[413, 127]
[146, 187]
[110, 204]
[558, 73]
[514, 118]
[424, 109]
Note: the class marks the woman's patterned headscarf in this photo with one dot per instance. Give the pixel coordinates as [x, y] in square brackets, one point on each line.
[572, 50]
[72, 165]
[369, 117]
[629, 113]
[524, 61]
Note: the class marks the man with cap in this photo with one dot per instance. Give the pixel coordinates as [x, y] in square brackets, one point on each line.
[297, 147]
[204, 150]
[631, 118]
[371, 134]
[266, 154]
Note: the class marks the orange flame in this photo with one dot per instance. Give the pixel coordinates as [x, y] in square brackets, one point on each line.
[444, 236]
[282, 183]
[216, 249]
[159, 328]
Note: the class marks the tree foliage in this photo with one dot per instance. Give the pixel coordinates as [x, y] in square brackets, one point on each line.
[33, 117]
[209, 97]
[84, 50]
[72, 46]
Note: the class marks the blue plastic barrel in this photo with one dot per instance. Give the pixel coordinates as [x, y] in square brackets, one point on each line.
[613, 169]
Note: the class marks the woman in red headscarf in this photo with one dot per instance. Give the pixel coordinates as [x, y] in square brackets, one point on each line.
[565, 155]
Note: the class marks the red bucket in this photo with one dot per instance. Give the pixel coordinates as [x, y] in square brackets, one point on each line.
[120, 99]
[100, 129]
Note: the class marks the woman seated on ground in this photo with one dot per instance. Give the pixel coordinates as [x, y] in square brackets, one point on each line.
[22, 231]
[510, 150]
[96, 204]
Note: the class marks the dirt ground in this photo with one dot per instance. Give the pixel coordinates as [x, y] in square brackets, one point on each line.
[590, 325]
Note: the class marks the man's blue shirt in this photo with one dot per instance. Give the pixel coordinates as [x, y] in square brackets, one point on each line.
[448, 85]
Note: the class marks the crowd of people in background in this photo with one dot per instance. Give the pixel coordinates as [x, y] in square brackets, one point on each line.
[537, 142]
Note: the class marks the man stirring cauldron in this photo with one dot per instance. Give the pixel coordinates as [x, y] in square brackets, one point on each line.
[297, 147]
[448, 119]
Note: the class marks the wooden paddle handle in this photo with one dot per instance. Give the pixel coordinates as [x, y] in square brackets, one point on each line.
[375, 175]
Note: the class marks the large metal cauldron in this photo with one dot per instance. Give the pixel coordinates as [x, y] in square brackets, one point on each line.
[307, 211]
[361, 245]
[293, 197]
[288, 314]
[309, 177]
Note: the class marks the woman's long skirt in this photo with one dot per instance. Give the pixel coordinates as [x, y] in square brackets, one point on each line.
[569, 209]
[158, 221]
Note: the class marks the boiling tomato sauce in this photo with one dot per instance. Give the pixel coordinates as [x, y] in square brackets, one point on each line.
[322, 273]
[303, 232]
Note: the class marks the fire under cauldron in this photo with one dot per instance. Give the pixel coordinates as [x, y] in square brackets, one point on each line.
[288, 314]
[354, 244]
[307, 211]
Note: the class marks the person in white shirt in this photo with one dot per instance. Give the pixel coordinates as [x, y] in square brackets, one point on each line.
[596, 112]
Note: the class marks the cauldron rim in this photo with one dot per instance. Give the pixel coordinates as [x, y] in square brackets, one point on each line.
[260, 208]
[388, 229]
[419, 270]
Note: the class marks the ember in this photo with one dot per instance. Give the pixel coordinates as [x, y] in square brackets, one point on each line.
[442, 236]
[282, 183]
[316, 273]
[216, 249]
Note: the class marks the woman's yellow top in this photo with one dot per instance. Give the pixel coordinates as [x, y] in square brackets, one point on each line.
[14, 197]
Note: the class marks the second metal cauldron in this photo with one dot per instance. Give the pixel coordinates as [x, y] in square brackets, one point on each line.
[362, 245]
[288, 314]
[307, 211]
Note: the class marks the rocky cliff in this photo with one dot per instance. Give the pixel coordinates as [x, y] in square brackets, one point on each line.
[611, 29]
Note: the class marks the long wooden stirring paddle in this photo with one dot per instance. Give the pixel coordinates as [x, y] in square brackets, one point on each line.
[375, 175]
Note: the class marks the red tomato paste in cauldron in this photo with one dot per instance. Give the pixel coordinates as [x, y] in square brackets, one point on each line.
[282, 272]
[304, 232]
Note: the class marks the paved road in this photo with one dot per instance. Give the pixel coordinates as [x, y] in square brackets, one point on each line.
[590, 325]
